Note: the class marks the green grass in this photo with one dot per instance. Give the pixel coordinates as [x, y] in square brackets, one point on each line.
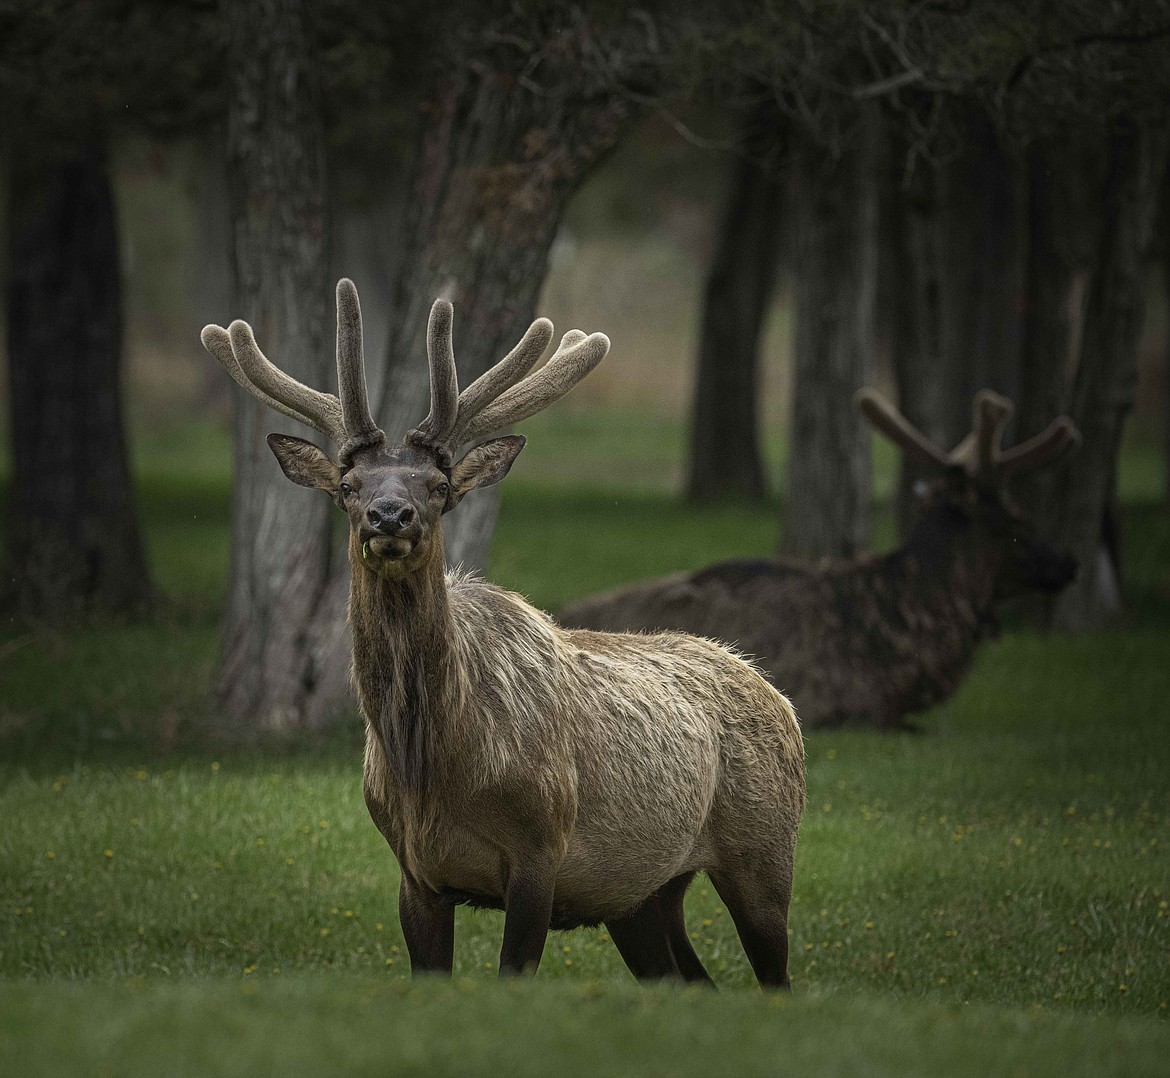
[1003, 859]
[76, 690]
[338, 1025]
[995, 891]
[990, 897]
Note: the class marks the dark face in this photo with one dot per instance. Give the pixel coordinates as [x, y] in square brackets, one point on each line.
[394, 498]
[1027, 562]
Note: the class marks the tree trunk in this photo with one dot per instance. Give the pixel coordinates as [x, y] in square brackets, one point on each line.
[918, 350]
[982, 268]
[725, 453]
[210, 262]
[1164, 257]
[1106, 375]
[960, 256]
[497, 164]
[73, 539]
[829, 469]
[279, 634]
[1061, 205]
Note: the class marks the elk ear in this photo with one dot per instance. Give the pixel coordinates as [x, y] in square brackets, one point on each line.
[304, 463]
[484, 465]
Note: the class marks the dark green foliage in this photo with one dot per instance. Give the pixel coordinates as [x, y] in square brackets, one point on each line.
[1036, 67]
[73, 68]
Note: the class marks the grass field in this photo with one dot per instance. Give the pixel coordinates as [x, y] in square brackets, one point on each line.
[990, 897]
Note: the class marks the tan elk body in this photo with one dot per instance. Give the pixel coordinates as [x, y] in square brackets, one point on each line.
[567, 777]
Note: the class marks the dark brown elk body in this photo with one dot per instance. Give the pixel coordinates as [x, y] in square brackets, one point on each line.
[567, 777]
[872, 641]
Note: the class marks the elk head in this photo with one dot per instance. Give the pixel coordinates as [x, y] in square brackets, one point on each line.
[395, 496]
[971, 488]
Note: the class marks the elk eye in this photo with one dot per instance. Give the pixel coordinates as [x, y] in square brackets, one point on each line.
[442, 489]
[346, 490]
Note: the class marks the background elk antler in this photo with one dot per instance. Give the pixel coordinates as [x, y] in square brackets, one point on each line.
[979, 453]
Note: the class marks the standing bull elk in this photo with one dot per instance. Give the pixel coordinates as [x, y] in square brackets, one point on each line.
[872, 641]
[567, 778]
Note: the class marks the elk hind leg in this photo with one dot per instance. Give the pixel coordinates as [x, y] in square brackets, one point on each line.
[759, 909]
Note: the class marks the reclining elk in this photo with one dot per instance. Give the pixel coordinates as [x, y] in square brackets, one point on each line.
[872, 641]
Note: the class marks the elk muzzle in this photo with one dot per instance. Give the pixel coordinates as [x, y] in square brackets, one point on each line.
[1048, 567]
[391, 528]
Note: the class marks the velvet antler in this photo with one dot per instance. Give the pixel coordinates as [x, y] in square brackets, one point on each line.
[895, 426]
[979, 453]
[321, 411]
[503, 395]
[347, 420]
[1049, 445]
[360, 428]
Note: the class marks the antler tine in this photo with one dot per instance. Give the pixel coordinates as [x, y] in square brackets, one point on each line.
[1047, 446]
[360, 429]
[570, 340]
[253, 372]
[218, 342]
[895, 426]
[574, 359]
[321, 411]
[444, 380]
[502, 377]
[991, 415]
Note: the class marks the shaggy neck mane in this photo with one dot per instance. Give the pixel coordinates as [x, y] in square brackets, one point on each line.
[952, 576]
[403, 662]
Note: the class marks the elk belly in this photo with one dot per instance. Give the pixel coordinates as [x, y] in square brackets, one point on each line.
[642, 816]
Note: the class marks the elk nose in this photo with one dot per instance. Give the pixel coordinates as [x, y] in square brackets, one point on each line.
[390, 516]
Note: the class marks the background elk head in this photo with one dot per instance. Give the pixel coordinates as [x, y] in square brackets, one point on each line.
[970, 492]
[395, 496]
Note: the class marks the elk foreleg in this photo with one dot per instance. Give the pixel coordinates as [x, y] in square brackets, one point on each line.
[428, 927]
[527, 912]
